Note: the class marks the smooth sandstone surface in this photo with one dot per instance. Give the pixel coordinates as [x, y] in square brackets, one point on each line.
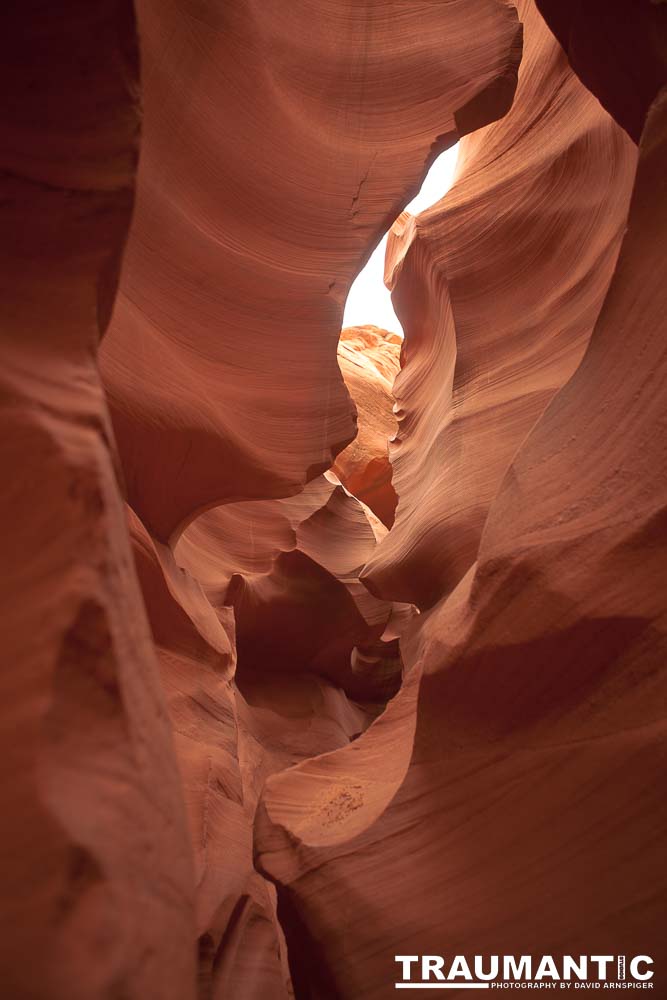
[533, 797]
[95, 859]
[277, 635]
[273, 157]
[264, 636]
[369, 360]
[237, 935]
[497, 288]
[537, 747]
[290, 570]
[281, 701]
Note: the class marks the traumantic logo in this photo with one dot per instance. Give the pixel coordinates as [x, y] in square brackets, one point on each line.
[525, 972]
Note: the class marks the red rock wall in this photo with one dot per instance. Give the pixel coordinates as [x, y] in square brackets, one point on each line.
[237, 936]
[369, 360]
[222, 262]
[497, 288]
[97, 883]
[263, 634]
[534, 793]
[279, 143]
[532, 797]
[237, 762]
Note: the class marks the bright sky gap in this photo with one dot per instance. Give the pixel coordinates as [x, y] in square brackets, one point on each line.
[369, 301]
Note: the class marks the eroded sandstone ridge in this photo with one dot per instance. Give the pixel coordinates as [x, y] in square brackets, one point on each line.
[533, 793]
[280, 141]
[97, 887]
[287, 691]
[497, 288]
[369, 360]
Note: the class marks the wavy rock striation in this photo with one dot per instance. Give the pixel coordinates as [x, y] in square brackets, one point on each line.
[369, 360]
[293, 775]
[236, 927]
[276, 584]
[539, 748]
[538, 754]
[296, 148]
[271, 650]
[497, 288]
[290, 570]
[97, 885]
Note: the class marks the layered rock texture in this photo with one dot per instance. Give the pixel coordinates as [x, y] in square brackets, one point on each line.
[497, 288]
[279, 143]
[532, 794]
[369, 360]
[289, 691]
[98, 887]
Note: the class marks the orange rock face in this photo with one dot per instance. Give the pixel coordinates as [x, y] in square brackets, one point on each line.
[369, 359]
[497, 288]
[539, 745]
[97, 882]
[226, 260]
[264, 636]
[289, 692]
[533, 789]
[290, 570]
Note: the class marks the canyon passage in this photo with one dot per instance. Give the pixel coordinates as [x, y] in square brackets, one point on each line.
[325, 644]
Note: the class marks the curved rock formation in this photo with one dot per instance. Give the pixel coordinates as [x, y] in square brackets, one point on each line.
[276, 581]
[539, 748]
[290, 570]
[497, 288]
[617, 48]
[301, 131]
[232, 770]
[532, 799]
[97, 888]
[369, 359]
[235, 908]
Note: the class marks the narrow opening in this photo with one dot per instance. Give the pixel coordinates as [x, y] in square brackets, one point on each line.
[369, 301]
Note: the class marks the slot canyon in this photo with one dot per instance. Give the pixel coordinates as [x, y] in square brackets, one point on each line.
[319, 647]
